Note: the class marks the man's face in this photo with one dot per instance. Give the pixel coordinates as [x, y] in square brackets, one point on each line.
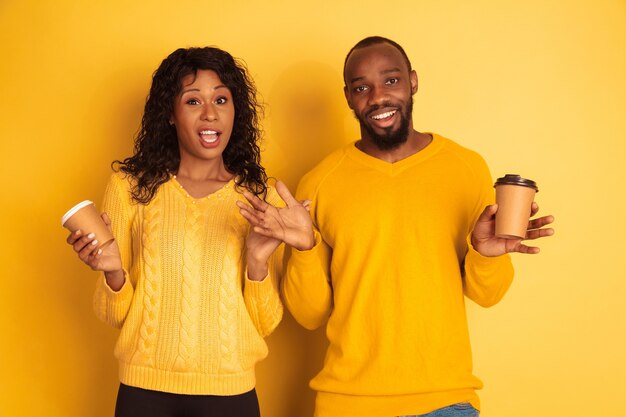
[379, 89]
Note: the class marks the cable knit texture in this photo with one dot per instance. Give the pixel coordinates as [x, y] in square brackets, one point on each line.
[191, 322]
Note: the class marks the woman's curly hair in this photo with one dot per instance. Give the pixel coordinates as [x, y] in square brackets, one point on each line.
[156, 154]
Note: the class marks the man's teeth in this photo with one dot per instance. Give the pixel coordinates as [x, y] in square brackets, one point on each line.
[384, 115]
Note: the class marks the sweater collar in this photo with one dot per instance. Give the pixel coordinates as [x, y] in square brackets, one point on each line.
[397, 167]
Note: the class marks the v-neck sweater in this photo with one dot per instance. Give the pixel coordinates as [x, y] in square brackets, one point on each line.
[388, 275]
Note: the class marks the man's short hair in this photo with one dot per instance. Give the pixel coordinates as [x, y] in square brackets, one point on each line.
[374, 40]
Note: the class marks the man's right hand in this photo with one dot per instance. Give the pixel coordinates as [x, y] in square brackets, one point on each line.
[292, 224]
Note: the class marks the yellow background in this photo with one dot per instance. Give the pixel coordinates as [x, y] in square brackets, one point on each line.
[537, 87]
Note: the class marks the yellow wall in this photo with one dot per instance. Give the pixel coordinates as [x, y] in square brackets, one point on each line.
[538, 87]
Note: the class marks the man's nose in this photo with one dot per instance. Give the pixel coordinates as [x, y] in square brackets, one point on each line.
[377, 96]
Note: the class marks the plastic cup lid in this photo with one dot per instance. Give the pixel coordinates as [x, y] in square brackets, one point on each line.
[514, 179]
[74, 209]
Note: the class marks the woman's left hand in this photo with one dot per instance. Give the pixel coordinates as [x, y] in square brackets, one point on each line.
[259, 248]
[271, 225]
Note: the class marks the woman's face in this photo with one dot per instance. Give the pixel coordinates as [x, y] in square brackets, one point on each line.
[203, 116]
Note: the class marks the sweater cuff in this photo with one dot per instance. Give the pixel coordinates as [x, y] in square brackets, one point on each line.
[487, 278]
[302, 258]
[116, 296]
[112, 306]
[258, 289]
[473, 257]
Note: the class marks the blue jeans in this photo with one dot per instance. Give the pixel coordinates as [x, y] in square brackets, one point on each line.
[455, 410]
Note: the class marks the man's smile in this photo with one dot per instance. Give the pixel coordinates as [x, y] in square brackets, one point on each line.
[384, 115]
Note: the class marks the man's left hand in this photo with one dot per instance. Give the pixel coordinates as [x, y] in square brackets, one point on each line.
[485, 241]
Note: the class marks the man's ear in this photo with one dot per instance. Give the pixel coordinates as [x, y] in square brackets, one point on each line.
[347, 95]
[413, 78]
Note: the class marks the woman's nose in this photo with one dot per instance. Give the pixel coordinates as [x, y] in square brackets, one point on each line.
[209, 112]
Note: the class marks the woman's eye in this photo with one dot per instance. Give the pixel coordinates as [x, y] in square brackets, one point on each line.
[221, 100]
[193, 101]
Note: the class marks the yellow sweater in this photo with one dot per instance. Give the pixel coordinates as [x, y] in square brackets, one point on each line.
[191, 322]
[388, 274]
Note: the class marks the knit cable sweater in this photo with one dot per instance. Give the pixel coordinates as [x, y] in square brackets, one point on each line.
[388, 275]
[191, 321]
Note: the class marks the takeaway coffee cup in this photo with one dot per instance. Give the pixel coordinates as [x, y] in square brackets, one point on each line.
[514, 196]
[85, 217]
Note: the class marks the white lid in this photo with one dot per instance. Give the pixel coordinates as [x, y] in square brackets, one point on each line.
[74, 209]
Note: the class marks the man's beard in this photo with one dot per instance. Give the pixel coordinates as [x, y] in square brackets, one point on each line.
[390, 139]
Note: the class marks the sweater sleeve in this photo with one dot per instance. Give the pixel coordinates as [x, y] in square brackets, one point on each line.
[112, 306]
[306, 288]
[486, 279]
[262, 298]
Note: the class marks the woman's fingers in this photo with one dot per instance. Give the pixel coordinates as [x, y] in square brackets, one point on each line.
[105, 218]
[80, 243]
[253, 216]
[88, 249]
[255, 201]
[85, 242]
[263, 231]
[73, 237]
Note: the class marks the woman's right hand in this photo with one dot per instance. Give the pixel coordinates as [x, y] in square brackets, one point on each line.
[105, 260]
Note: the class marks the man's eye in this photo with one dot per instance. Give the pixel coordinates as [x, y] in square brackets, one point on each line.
[360, 89]
[392, 81]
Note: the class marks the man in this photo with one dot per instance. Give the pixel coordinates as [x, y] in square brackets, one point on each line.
[403, 229]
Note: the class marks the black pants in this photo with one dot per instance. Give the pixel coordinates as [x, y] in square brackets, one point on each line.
[137, 402]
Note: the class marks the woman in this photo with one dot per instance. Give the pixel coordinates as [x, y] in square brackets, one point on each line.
[193, 290]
